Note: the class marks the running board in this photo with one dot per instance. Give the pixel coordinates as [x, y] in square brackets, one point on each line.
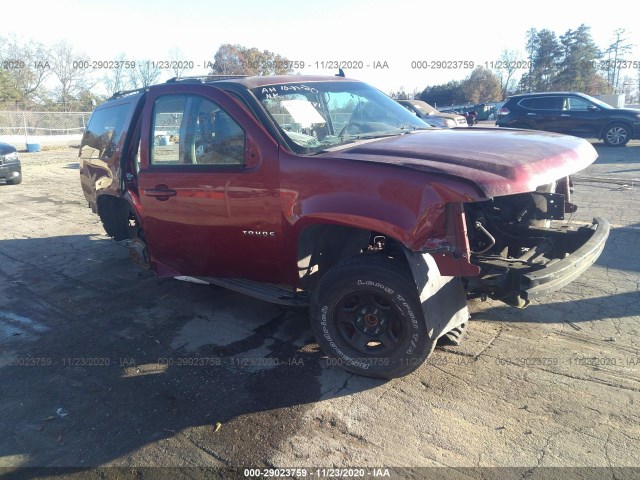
[262, 291]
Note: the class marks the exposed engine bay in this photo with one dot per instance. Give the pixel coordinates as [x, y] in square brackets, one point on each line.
[512, 236]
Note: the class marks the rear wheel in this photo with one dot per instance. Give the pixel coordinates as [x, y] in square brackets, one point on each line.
[616, 135]
[366, 315]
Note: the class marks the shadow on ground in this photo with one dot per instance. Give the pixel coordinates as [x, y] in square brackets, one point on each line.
[627, 154]
[102, 360]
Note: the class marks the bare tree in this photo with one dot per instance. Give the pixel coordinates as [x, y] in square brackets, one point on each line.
[70, 69]
[117, 80]
[144, 74]
[614, 55]
[509, 62]
[29, 67]
[178, 63]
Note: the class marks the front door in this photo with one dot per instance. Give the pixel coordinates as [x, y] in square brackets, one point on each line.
[208, 185]
[579, 117]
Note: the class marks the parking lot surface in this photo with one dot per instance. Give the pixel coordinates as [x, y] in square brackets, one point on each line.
[106, 365]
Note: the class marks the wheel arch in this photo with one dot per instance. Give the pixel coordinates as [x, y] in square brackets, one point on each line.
[611, 122]
[115, 211]
[321, 244]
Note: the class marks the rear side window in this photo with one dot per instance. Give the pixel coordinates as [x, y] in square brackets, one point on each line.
[104, 132]
[542, 103]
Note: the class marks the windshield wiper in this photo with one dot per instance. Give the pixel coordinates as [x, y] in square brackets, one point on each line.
[379, 135]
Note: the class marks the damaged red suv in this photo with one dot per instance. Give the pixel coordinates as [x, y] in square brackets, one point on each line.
[323, 191]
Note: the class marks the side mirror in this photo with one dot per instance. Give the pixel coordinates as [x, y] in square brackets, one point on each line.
[592, 108]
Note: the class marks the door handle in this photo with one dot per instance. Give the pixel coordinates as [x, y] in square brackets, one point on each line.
[531, 114]
[161, 192]
[565, 115]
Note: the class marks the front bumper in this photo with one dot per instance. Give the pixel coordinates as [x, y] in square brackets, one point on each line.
[9, 171]
[517, 281]
[551, 278]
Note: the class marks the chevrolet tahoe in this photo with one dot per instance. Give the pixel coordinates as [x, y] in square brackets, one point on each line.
[323, 191]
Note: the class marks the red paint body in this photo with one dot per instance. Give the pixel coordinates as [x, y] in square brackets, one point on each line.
[397, 186]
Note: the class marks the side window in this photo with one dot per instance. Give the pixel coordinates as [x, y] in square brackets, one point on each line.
[575, 104]
[192, 130]
[542, 103]
[218, 138]
[169, 126]
[103, 132]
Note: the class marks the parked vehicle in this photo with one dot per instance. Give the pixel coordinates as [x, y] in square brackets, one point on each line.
[10, 167]
[323, 191]
[432, 116]
[483, 111]
[471, 117]
[571, 113]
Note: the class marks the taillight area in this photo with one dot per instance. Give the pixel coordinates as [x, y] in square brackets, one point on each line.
[502, 111]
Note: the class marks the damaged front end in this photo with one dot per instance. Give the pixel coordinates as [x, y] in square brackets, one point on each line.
[521, 252]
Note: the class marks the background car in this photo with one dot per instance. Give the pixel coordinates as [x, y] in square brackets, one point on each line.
[571, 113]
[10, 168]
[432, 116]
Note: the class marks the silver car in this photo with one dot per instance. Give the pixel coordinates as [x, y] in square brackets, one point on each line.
[432, 116]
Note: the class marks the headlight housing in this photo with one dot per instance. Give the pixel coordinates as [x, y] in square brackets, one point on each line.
[449, 122]
[11, 157]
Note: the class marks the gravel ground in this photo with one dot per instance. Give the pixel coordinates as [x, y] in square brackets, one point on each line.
[103, 365]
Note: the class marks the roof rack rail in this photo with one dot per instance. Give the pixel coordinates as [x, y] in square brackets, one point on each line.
[122, 93]
[204, 78]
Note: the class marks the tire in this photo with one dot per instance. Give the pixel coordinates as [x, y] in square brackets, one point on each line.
[616, 135]
[367, 317]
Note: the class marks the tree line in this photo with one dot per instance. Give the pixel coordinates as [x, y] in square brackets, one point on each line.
[570, 62]
[58, 77]
[61, 78]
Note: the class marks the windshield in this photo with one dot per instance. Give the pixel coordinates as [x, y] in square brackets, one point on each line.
[316, 116]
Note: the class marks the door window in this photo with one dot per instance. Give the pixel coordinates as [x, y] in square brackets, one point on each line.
[104, 131]
[576, 104]
[542, 103]
[193, 130]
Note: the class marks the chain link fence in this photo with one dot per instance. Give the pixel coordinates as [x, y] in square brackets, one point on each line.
[42, 123]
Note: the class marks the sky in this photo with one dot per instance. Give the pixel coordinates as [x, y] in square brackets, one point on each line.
[371, 33]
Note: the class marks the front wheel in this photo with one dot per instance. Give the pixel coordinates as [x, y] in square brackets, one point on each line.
[367, 317]
[616, 135]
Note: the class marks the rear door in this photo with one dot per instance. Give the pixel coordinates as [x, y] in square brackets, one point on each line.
[208, 185]
[543, 112]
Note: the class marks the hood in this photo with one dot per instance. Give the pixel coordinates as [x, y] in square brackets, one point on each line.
[6, 148]
[497, 161]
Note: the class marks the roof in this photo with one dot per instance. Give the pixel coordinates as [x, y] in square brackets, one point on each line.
[261, 81]
[541, 94]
